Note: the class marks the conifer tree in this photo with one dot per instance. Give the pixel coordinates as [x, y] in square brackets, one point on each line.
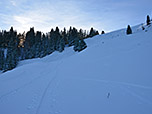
[61, 45]
[129, 31]
[11, 59]
[30, 38]
[81, 34]
[1, 59]
[102, 32]
[12, 56]
[96, 33]
[148, 20]
[79, 45]
[70, 37]
[44, 46]
[57, 39]
[65, 36]
[93, 33]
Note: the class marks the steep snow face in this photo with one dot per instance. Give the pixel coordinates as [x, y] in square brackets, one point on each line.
[112, 76]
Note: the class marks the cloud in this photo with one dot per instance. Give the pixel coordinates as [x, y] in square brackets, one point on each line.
[13, 2]
[49, 14]
[44, 16]
[111, 15]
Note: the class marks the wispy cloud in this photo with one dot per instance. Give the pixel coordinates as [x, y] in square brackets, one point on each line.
[62, 14]
[13, 2]
[43, 15]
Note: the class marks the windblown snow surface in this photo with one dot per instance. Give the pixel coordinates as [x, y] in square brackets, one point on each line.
[113, 75]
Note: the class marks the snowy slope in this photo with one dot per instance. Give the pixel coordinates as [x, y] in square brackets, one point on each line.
[112, 76]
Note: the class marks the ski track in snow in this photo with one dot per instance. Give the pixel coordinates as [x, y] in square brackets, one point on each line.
[44, 93]
[46, 89]
[137, 96]
[14, 91]
[118, 83]
[21, 87]
[125, 86]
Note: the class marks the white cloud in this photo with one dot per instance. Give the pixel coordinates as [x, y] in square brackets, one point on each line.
[45, 16]
[13, 2]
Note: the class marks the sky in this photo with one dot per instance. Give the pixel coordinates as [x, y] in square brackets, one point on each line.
[107, 15]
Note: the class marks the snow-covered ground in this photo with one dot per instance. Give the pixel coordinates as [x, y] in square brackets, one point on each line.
[112, 76]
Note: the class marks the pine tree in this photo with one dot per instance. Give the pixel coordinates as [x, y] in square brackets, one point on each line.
[1, 58]
[148, 20]
[102, 32]
[92, 32]
[57, 39]
[11, 59]
[30, 38]
[81, 34]
[70, 37]
[96, 33]
[1, 39]
[12, 56]
[37, 46]
[129, 31]
[38, 36]
[61, 45]
[79, 45]
[65, 36]
[44, 46]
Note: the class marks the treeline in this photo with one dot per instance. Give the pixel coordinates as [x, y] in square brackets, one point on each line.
[16, 47]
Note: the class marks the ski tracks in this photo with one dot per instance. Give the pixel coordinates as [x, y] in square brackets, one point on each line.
[117, 83]
[128, 88]
[21, 87]
[47, 87]
[133, 93]
[35, 98]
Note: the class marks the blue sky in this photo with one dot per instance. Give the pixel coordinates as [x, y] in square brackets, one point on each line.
[105, 15]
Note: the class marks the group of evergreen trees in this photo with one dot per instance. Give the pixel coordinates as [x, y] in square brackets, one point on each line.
[148, 22]
[15, 47]
[8, 50]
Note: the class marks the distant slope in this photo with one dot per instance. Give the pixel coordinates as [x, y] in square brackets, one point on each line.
[112, 76]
